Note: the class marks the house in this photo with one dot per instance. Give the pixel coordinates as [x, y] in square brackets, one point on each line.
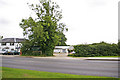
[11, 44]
[63, 49]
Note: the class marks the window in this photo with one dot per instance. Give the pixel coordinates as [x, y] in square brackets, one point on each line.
[3, 44]
[11, 44]
[12, 49]
[6, 48]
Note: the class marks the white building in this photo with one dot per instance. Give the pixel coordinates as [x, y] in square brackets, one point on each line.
[11, 44]
[63, 49]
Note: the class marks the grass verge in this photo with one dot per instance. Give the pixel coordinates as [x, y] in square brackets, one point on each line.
[23, 73]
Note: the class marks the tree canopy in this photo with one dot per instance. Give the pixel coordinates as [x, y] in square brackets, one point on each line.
[62, 40]
[45, 30]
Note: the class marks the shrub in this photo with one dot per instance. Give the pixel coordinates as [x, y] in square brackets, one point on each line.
[96, 49]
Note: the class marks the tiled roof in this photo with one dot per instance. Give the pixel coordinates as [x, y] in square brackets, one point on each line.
[12, 40]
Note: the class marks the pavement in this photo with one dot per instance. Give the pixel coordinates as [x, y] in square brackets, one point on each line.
[77, 58]
[69, 65]
[104, 58]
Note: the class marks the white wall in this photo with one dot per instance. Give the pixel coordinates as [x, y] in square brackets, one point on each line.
[61, 50]
[58, 50]
[10, 46]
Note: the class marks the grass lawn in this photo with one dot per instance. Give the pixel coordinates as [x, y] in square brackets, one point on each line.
[22, 73]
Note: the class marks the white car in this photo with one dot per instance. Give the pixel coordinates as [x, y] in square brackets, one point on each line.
[2, 51]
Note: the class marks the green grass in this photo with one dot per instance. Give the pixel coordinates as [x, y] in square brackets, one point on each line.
[22, 73]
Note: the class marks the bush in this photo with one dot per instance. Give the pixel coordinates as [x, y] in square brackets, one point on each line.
[96, 49]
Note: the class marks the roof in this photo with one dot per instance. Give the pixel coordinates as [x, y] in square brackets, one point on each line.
[64, 47]
[12, 40]
[20, 39]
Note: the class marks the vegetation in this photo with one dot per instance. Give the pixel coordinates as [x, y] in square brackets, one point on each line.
[45, 31]
[22, 73]
[62, 40]
[96, 49]
[119, 44]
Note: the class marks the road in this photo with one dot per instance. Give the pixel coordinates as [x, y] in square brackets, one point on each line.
[70, 66]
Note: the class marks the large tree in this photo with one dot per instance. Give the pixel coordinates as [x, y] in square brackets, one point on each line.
[62, 40]
[43, 30]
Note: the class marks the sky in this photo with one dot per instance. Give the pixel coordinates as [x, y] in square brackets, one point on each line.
[88, 21]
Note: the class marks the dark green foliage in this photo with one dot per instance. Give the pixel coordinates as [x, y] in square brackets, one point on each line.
[119, 47]
[69, 51]
[43, 31]
[119, 44]
[62, 40]
[96, 49]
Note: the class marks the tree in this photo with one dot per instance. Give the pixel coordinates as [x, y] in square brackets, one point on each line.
[44, 30]
[119, 44]
[62, 40]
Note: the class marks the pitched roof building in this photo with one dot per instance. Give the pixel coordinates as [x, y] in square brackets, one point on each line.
[11, 43]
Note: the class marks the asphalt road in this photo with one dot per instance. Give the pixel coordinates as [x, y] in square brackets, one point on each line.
[70, 66]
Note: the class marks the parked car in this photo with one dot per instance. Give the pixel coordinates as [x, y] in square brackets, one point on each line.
[3, 51]
[6, 52]
[14, 52]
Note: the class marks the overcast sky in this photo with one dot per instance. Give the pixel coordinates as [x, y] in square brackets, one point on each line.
[88, 21]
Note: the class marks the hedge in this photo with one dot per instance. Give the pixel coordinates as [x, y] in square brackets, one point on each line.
[96, 49]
